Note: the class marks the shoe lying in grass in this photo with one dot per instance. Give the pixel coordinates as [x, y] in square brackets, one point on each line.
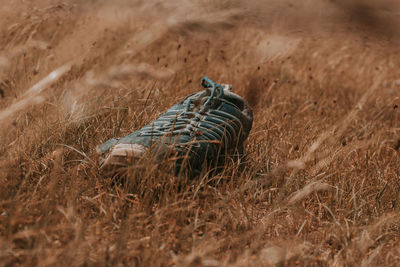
[198, 132]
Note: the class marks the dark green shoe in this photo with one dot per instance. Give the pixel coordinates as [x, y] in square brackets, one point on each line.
[199, 132]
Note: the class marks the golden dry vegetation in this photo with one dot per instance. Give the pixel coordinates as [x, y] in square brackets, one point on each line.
[319, 183]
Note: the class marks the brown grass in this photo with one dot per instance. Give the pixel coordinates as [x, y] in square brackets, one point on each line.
[319, 184]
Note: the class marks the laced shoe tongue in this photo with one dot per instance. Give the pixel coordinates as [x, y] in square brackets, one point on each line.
[213, 91]
[226, 87]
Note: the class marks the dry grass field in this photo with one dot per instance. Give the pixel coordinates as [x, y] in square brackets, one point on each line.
[318, 185]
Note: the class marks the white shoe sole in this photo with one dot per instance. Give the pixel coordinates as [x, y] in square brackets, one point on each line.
[122, 155]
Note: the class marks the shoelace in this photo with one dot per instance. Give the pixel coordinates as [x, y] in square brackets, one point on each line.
[216, 127]
[208, 83]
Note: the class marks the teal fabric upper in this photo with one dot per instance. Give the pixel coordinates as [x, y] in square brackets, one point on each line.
[201, 129]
